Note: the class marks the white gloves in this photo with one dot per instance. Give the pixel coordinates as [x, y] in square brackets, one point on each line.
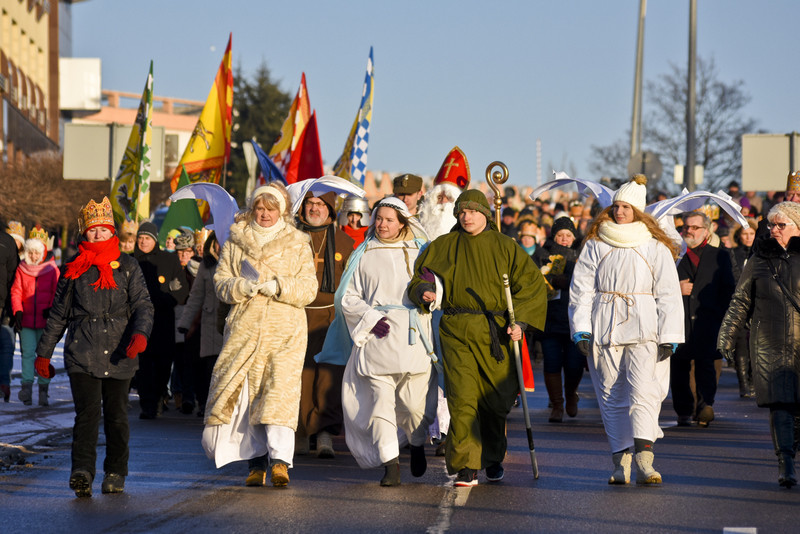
[269, 288]
[252, 287]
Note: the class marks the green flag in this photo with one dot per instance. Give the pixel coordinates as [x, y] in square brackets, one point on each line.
[181, 213]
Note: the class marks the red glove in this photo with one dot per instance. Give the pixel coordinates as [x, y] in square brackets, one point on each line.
[42, 366]
[381, 328]
[138, 344]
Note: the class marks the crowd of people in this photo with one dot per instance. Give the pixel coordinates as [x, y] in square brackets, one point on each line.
[389, 324]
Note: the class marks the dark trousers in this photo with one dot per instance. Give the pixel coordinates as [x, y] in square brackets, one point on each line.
[205, 367]
[152, 379]
[89, 394]
[705, 376]
[561, 352]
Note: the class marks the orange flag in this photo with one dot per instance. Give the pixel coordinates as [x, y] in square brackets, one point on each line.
[283, 151]
[209, 148]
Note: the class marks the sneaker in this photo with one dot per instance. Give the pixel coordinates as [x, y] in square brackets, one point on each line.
[466, 478]
[495, 472]
[113, 483]
[257, 477]
[280, 475]
[81, 483]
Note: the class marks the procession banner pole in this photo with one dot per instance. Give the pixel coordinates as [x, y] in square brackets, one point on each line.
[495, 180]
[518, 361]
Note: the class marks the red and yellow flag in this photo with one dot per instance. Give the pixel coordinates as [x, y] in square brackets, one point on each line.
[209, 147]
[291, 132]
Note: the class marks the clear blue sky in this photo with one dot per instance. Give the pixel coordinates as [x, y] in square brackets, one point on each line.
[489, 77]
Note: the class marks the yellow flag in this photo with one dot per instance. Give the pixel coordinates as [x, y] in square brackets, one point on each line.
[210, 145]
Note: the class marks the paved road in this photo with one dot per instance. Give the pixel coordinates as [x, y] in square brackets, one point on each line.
[716, 478]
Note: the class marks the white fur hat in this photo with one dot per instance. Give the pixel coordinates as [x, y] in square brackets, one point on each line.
[790, 210]
[634, 192]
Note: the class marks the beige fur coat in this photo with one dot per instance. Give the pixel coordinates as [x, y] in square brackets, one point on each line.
[265, 337]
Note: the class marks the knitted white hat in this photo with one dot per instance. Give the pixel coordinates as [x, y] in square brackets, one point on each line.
[790, 210]
[633, 192]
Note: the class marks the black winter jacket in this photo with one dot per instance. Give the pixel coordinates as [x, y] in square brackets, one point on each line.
[558, 309]
[99, 323]
[705, 307]
[166, 281]
[775, 330]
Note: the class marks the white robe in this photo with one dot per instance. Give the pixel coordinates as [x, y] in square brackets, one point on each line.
[387, 381]
[630, 300]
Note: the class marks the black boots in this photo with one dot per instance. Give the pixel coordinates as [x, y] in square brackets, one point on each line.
[418, 462]
[782, 424]
[391, 475]
[743, 373]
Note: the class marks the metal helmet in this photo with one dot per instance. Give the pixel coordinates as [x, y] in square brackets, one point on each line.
[352, 204]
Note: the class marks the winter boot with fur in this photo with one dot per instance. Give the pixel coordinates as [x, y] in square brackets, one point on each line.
[26, 393]
[622, 467]
[645, 474]
[553, 383]
[43, 399]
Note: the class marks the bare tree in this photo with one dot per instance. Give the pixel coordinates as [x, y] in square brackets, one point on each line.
[719, 122]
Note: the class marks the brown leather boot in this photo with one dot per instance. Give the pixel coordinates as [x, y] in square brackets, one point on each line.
[553, 383]
[571, 383]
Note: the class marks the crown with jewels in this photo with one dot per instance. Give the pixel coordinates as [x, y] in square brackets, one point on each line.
[129, 228]
[712, 210]
[37, 232]
[95, 213]
[15, 228]
[793, 181]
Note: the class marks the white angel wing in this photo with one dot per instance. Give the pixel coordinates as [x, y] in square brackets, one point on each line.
[320, 186]
[687, 201]
[603, 194]
[223, 206]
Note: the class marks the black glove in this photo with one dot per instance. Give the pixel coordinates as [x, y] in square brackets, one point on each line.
[665, 350]
[46, 313]
[18, 322]
[583, 340]
[728, 355]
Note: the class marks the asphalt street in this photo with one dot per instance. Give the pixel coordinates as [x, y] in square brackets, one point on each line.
[719, 479]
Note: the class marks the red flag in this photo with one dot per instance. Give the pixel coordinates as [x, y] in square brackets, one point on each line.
[306, 159]
[527, 368]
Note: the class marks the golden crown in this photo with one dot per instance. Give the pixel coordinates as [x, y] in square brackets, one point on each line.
[201, 235]
[37, 232]
[129, 228]
[712, 210]
[95, 213]
[16, 228]
[793, 182]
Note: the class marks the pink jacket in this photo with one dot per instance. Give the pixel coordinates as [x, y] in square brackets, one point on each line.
[33, 291]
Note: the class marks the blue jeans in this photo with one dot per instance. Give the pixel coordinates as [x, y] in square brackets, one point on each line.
[6, 354]
[28, 339]
[560, 352]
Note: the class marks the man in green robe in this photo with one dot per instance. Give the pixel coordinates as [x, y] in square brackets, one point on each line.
[462, 273]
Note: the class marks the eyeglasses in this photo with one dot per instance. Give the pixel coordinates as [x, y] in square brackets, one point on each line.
[780, 226]
[692, 227]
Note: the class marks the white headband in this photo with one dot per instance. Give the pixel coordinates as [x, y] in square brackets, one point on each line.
[271, 191]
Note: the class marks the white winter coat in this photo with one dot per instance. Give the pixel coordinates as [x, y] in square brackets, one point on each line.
[625, 296]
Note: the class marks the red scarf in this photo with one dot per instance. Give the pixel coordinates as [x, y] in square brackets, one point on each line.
[99, 254]
[693, 255]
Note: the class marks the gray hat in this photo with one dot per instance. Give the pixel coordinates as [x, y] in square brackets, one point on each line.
[149, 229]
[184, 240]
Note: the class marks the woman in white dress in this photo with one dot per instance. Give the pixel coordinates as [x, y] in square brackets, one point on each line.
[626, 316]
[266, 272]
[388, 381]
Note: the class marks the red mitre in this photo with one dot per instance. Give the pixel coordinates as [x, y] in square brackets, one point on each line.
[454, 170]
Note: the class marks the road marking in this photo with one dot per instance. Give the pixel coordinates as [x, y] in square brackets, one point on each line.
[453, 496]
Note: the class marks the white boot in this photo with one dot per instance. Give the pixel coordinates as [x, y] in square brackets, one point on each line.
[645, 474]
[622, 468]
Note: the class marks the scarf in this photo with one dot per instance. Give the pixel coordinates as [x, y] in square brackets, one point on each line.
[99, 254]
[629, 235]
[404, 235]
[694, 253]
[328, 277]
[36, 270]
[528, 250]
[263, 235]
